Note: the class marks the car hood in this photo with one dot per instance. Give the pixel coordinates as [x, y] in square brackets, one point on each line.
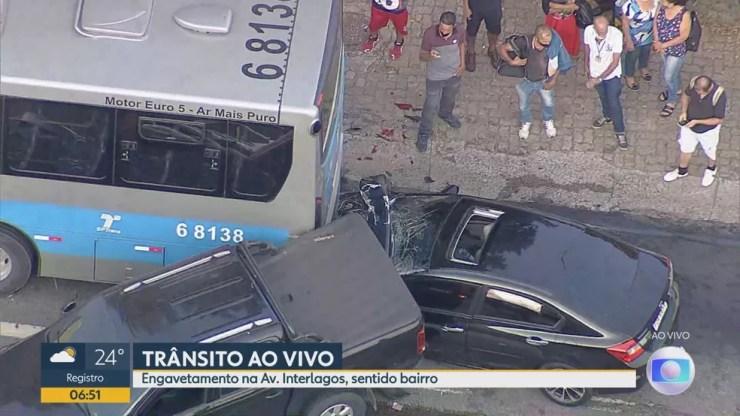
[21, 380]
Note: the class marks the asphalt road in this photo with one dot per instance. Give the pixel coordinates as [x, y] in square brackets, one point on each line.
[706, 258]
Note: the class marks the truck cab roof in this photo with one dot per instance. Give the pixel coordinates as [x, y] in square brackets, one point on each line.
[240, 294]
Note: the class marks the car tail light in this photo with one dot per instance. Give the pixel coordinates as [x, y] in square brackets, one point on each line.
[421, 341]
[627, 351]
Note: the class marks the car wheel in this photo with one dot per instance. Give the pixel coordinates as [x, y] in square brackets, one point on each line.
[16, 263]
[340, 404]
[566, 396]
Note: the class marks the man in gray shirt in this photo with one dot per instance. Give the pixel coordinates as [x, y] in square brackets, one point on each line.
[443, 49]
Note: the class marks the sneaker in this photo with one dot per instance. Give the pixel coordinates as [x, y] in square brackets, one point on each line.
[550, 129]
[708, 178]
[673, 175]
[369, 44]
[453, 121]
[622, 141]
[601, 122]
[396, 51]
[422, 142]
[524, 131]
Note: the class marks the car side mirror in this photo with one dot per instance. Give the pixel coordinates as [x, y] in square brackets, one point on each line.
[451, 190]
[68, 307]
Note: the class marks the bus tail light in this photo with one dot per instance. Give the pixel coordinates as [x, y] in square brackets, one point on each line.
[149, 249]
[52, 238]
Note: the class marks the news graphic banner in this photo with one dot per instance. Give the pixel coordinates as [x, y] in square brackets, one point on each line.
[85, 373]
[320, 366]
[106, 373]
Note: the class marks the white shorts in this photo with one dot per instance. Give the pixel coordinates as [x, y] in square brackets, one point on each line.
[708, 141]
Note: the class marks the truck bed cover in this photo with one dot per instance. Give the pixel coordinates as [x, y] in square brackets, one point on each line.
[340, 267]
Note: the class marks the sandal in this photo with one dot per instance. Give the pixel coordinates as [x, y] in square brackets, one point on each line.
[634, 87]
[647, 77]
[663, 97]
[667, 110]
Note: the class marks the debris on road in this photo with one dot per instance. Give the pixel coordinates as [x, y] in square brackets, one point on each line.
[386, 134]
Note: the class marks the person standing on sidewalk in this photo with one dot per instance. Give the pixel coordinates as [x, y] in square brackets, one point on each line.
[637, 26]
[560, 16]
[443, 49]
[703, 106]
[476, 11]
[604, 68]
[381, 12]
[538, 78]
[671, 28]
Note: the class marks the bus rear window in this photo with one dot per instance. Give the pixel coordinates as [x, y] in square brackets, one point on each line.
[47, 139]
[260, 158]
[133, 149]
[179, 154]
[213, 157]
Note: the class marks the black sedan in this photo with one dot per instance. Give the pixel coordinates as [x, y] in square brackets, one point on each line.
[505, 287]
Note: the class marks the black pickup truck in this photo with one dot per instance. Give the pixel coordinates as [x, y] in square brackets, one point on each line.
[334, 284]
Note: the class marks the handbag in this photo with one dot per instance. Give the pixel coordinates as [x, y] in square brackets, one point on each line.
[503, 68]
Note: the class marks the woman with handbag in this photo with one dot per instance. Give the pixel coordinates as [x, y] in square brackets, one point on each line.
[671, 28]
[560, 16]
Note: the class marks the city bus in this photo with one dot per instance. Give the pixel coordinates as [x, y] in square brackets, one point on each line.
[136, 133]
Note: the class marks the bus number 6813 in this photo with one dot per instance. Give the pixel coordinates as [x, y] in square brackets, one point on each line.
[265, 43]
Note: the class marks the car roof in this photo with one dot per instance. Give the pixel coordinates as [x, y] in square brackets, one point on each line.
[588, 273]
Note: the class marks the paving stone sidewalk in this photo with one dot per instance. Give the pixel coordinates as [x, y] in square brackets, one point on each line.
[581, 167]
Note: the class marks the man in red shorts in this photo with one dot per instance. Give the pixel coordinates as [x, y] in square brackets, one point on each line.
[381, 12]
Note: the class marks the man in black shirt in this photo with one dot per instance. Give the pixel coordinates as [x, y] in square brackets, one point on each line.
[539, 77]
[703, 106]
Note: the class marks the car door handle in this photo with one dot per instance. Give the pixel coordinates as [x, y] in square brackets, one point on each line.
[274, 395]
[452, 329]
[536, 341]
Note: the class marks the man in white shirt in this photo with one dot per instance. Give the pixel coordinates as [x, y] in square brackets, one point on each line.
[604, 69]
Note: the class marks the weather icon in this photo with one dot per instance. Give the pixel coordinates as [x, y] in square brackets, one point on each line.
[66, 355]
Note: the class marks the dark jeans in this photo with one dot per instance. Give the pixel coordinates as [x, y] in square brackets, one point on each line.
[609, 92]
[640, 56]
[440, 101]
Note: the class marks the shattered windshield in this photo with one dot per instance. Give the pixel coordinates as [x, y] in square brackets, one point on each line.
[415, 222]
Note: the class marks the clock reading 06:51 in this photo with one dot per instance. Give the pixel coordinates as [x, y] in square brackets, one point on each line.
[84, 394]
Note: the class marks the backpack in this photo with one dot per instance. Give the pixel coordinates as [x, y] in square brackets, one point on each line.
[503, 68]
[584, 14]
[717, 93]
[692, 42]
